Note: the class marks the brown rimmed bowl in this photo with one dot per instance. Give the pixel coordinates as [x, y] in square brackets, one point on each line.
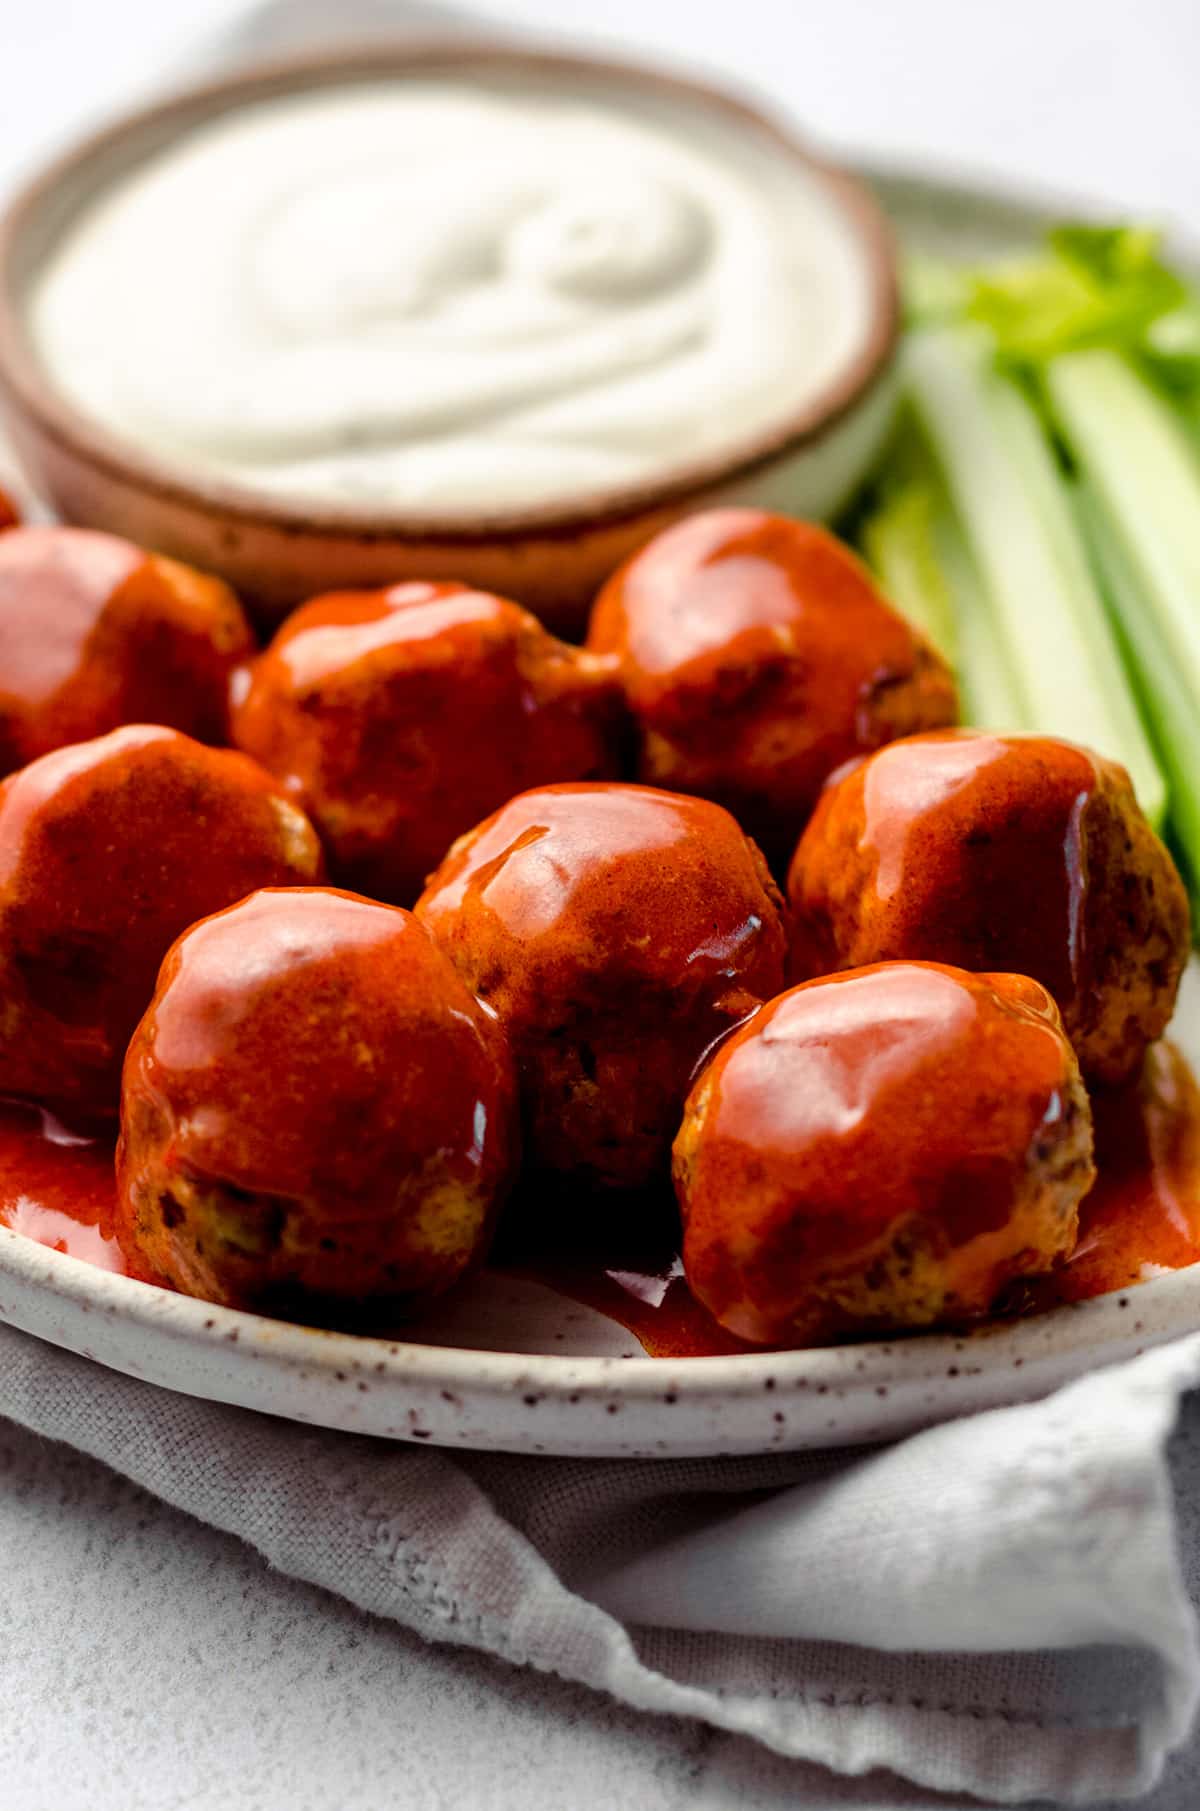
[276, 552]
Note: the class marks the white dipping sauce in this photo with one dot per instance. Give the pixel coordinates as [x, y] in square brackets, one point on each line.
[453, 294]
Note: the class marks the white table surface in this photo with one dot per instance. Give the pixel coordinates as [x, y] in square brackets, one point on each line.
[147, 1663]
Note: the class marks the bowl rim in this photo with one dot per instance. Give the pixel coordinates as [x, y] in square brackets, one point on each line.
[27, 388]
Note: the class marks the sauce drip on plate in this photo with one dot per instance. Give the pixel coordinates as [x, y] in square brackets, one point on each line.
[58, 1188]
[1141, 1219]
[647, 1294]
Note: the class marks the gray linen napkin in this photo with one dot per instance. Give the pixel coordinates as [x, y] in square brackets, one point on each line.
[994, 1606]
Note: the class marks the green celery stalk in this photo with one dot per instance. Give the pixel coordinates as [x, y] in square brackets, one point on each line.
[1045, 608]
[1144, 475]
[917, 551]
[989, 695]
[1169, 704]
[898, 541]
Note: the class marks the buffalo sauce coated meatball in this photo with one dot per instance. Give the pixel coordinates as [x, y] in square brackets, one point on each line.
[108, 850]
[616, 931]
[9, 516]
[316, 1116]
[880, 1150]
[1000, 852]
[399, 718]
[757, 656]
[95, 632]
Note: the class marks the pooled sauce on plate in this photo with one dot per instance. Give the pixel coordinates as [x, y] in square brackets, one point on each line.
[1141, 1219]
[1142, 1216]
[58, 1188]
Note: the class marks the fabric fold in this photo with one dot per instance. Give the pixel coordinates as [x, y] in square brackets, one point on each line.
[994, 1606]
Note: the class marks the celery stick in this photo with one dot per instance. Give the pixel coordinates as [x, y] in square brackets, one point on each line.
[1145, 477]
[1169, 705]
[898, 542]
[989, 697]
[1045, 606]
[916, 549]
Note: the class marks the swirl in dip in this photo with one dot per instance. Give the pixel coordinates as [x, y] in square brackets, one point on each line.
[485, 289]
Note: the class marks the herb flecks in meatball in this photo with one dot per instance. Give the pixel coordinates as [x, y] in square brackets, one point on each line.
[316, 1116]
[617, 931]
[757, 656]
[882, 1150]
[400, 718]
[1000, 852]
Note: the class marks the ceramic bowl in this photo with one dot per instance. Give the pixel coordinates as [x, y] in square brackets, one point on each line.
[275, 552]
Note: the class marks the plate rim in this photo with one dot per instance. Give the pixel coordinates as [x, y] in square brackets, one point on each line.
[905, 1358]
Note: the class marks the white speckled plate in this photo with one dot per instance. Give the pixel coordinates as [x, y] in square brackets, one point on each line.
[513, 1366]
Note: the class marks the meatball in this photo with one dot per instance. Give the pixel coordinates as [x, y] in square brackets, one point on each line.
[757, 656]
[108, 850]
[880, 1150]
[1000, 852]
[400, 718]
[617, 931]
[95, 632]
[316, 1117]
[9, 515]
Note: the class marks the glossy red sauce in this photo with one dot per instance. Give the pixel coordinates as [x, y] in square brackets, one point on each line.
[359, 705]
[757, 656]
[924, 831]
[1143, 1214]
[109, 850]
[616, 931]
[1142, 1217]
[58, 1188]
[999, 854]
[396, 1079]
[98, 632]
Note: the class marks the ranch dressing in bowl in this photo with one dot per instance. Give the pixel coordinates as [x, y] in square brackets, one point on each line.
[456, 293]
